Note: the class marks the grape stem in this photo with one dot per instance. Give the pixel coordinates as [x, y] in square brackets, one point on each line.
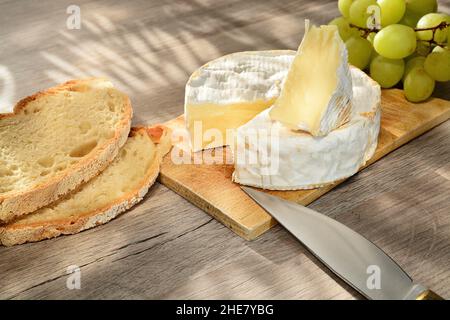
[441, 26]
[368, 31]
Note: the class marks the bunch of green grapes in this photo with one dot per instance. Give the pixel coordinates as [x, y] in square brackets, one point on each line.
[398, 41]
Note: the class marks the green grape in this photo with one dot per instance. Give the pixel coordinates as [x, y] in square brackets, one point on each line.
[438, 49]
[448, 37]
[423, 48]
[358, 12]
[373, 55]
[412, 56]
[387, 72]
[418, 85]
[437, 65]
[371, 37]
[345, 31]
[395, 41]
[410, 19]
[432, 20]
[392, 11]
[344, 7]
[359, 52]
[416, 62]
[421, 7]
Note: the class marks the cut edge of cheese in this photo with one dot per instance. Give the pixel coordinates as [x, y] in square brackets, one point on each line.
[316, 96]
[218, 129]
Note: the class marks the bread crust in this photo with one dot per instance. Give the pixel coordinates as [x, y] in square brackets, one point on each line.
[19, 234]
[15, 204]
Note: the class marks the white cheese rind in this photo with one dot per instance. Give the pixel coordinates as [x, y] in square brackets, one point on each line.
[227, 92]
[305, 161]
[317, 93]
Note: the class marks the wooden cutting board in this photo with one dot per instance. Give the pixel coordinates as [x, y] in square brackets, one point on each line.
[209, 186]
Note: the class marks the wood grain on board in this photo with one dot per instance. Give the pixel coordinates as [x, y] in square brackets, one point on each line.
[209, 186]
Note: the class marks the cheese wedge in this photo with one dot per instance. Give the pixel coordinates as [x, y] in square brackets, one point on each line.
[228, 92]
[316, 96]
[270, 155]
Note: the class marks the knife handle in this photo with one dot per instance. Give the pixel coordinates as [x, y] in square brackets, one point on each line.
[429, 295]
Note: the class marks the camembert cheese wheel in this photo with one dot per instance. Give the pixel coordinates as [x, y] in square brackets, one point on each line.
[270, 155]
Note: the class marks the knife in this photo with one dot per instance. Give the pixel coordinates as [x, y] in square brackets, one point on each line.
[353, 258]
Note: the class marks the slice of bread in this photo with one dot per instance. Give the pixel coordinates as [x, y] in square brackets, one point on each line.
[58, 139]
[123, 184]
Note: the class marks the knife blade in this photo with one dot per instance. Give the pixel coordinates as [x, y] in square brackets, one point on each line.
[353, 258]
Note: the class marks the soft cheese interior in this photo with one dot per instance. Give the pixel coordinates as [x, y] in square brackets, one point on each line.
[318, 90]
[230, 91]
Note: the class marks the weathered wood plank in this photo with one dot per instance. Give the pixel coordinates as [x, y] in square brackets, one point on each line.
[166, 247]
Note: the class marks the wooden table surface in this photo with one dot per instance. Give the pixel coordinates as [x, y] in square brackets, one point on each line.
[166, 247]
